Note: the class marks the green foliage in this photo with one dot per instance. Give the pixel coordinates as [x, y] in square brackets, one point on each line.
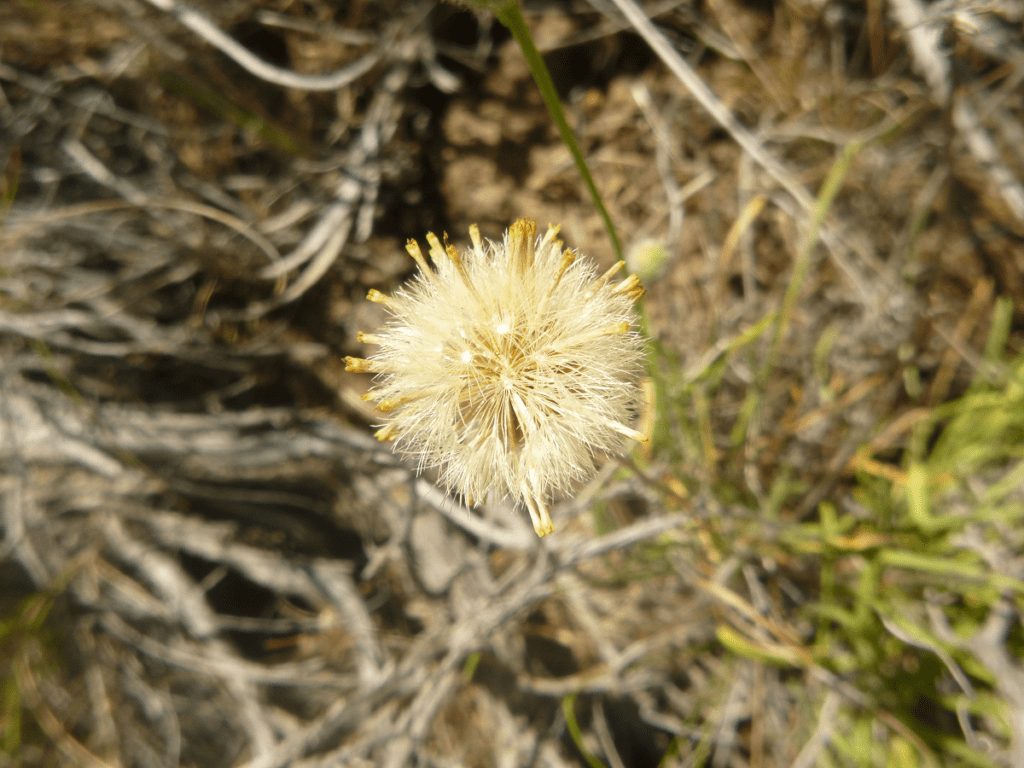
[569, 711]
[221, 106]
[898, 610]
[829, 189]
[469, 668]
[22, 629]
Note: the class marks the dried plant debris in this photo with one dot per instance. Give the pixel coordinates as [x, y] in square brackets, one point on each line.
[208, 560]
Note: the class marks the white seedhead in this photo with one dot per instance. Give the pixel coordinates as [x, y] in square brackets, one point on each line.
[508, 367]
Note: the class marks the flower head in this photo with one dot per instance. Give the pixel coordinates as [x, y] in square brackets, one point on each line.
[508, 367]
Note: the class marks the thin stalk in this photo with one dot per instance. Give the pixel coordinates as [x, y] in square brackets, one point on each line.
[508, 13]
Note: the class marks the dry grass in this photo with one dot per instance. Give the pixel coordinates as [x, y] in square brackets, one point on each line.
[207, 560]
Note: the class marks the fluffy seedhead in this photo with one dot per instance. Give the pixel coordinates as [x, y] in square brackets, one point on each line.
[507, 367]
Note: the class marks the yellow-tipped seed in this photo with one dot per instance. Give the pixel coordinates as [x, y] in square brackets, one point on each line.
[386, 434]
[379, 298]
[359, 365]
[368, 338]
[603, 280]
[436, 251]
[628, 285]
[417, 255]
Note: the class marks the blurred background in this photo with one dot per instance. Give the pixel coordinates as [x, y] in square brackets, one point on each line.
[207, 560]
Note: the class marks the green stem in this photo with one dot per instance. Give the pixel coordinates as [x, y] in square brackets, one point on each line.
[508, 13]
[826, 195]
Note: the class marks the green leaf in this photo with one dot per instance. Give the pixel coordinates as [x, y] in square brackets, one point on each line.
[569, 712]
[778, 655]
[917, 497]
[469, 668]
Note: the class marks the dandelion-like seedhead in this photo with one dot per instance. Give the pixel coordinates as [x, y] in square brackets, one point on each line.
[509, 367]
